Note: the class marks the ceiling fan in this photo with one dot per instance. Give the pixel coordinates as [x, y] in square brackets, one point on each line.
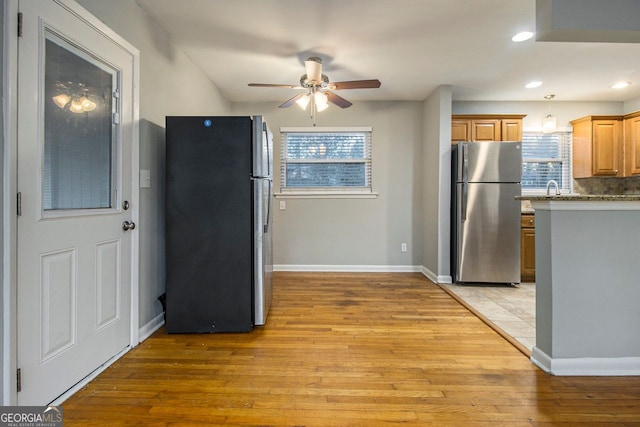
[318, 88]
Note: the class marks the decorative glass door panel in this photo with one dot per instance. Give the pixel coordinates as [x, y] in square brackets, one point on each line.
[79, 138]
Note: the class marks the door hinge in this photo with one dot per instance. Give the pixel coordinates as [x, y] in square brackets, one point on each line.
[19, 379]
[19, 24]
[19, 204]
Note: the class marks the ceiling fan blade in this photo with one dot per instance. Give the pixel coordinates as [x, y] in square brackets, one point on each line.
[356, 84]
[274, 85]
[291, 101]
[338, 100]
[313, 66]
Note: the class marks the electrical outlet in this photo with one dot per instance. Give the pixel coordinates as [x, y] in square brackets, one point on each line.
[403, 247]
[283, 205]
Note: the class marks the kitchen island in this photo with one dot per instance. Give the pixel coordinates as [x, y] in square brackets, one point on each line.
[587, 284]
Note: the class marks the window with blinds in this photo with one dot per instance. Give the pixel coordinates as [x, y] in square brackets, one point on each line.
[325, 159]
[546, 156]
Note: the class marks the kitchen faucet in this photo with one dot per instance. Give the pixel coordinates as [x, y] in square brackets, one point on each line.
[555, 183]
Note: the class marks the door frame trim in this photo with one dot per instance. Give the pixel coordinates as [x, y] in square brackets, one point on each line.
[8, 346]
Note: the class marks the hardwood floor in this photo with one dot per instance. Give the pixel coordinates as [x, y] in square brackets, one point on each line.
[348, 349]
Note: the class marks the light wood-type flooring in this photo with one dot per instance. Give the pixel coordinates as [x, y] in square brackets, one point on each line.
[348, 349]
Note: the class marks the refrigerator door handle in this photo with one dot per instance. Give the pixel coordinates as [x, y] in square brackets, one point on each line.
[265, 136]
[269, 202]
[465, 162]
[465, 189]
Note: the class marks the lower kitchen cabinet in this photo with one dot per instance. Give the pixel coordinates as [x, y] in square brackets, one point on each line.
[527, 248]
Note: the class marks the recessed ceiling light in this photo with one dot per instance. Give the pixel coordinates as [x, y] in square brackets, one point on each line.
[520, 37]
[533, 84]
[620, 85]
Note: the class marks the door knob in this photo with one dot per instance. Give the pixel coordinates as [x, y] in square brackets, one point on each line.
[128, 225]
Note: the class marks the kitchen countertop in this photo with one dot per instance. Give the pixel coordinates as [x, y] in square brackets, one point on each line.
[583, 198]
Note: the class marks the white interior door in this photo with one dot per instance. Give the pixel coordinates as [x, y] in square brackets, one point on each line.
[74, 178]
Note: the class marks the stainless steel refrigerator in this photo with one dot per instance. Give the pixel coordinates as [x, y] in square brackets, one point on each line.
[485, 223]
[218, 223]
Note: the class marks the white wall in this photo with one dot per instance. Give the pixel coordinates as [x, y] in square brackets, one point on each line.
[354, 232]
[170, 84]
[436, 183]
[632, 105]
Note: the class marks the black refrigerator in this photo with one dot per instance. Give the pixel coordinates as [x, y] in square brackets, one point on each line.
[218, 223]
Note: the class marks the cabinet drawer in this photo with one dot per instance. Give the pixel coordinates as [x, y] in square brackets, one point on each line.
[528, 221]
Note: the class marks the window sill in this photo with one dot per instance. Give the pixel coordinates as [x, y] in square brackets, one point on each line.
[326, 195]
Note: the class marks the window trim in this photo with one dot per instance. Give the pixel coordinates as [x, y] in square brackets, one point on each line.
[328, 192]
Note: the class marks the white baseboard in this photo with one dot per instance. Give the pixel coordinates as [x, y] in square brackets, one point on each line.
[434, 277]
[586, 366]
[147, 330]
[364, 269]
[349, 268]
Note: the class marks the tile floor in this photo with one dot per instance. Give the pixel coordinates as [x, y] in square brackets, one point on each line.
[512, 308]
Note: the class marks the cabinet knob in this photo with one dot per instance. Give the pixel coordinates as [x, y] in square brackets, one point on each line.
[530, 221]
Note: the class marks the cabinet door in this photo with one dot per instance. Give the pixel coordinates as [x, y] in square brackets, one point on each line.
[511, 130]
[632, 146]
[527, 255]
[582, 148]
[485, 130]
[460, 130]
[607, 148]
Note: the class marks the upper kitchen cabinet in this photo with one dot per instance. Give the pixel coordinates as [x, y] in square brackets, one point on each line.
[632, 144]
[485, 130]
[598, 147]
[511, 129]
[486, 127]
[460, 130]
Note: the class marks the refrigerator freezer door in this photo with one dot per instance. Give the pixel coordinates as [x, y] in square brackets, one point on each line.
[489, 162]
[262, 226]
[488, 243]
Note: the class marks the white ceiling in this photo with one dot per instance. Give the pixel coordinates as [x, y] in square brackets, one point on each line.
[411, 46]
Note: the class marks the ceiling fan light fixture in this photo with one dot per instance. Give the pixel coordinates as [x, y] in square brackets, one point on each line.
[303, 101]
[87, 104]
[76, 106]
[321, 101]
[61, 100]
[313, 67]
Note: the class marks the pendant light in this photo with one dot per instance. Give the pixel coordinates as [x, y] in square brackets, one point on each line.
[549, 123]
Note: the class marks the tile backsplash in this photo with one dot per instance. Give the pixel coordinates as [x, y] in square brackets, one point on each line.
[612, 186]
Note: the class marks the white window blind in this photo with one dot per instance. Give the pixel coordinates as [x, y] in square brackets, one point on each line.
[325, 159]
[546, 156]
